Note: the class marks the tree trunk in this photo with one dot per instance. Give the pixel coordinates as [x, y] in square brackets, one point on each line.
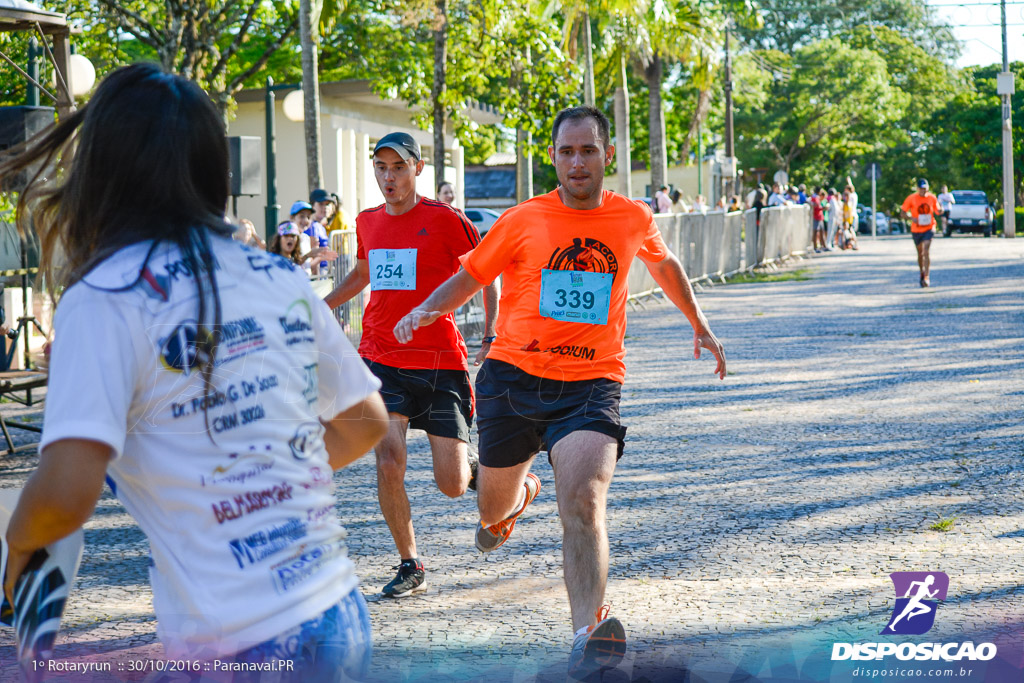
[310, 96]
[700, 114]
[437, 90]
[623, 154]
[589, 96]
[656, 124]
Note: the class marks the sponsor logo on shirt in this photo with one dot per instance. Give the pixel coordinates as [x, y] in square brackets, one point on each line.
[584, 352]
[305, 439]
[297, 323]
[266, 542]
[181, 351]
[305, 563]
[312, 390]
[239, 470]
[251, 501]
[586, 254]
[267, 263]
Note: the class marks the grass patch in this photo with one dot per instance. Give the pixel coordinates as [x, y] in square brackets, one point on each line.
[796, 275]
[943, 524]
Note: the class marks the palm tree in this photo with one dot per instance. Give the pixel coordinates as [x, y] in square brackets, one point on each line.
[315, 18]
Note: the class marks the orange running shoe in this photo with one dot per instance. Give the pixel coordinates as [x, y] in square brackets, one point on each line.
[601, 647]
[489, 538]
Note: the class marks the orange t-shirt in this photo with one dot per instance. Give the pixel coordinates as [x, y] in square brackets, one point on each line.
[528, 246]
[923, 211]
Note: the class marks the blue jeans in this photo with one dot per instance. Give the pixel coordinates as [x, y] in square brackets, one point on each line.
[330, 648]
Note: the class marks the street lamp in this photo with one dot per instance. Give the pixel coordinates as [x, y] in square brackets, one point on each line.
[272, 209]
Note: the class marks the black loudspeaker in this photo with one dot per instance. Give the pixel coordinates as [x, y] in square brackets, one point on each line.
[18, 124]
[244, 165]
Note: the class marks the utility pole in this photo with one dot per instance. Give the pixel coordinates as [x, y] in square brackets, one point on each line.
[1004, 87]
[730, 154]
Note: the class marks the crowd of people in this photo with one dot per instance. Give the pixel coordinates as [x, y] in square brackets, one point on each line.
[833, 213]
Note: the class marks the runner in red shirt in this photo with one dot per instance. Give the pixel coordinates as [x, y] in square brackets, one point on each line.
[407, 247]
[553, 378]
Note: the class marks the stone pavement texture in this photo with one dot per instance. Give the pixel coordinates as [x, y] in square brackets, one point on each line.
[757, 512]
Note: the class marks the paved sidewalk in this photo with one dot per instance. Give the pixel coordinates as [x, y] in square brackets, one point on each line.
[859, 411]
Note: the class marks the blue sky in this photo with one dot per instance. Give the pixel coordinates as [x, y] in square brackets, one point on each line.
[976, 24]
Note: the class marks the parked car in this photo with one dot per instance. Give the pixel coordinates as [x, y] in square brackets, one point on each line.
[483, 219]
[970, 213]
[882, 225]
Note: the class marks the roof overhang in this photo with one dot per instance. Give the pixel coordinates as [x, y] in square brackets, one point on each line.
[21, 15]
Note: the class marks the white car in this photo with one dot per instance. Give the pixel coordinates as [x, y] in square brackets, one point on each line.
[483, 219]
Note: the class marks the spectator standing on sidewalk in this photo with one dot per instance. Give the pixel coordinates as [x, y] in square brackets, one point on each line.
[662, 201]
[678, 205]
[818, 218]
[835, 218]
[946, 202]
[446, 193]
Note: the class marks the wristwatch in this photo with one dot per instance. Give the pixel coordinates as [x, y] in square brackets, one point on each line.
[489, 340]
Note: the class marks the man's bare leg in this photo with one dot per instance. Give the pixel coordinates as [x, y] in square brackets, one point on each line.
[926, 261]
[584, 463]
[451, 466]
[500, 491]
[394, 503]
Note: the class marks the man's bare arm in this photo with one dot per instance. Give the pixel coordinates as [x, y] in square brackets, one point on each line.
[671, 277]
[491, 295]
[456, 290]
[354, 282]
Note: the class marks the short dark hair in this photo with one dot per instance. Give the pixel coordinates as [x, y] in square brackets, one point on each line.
[604, 127]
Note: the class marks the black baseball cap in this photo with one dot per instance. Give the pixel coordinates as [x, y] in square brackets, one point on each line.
[403, 143]
[319, 195]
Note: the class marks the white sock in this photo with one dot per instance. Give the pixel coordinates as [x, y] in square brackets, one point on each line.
[580, 632]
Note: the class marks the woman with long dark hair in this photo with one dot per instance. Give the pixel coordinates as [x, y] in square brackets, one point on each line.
[204, 378]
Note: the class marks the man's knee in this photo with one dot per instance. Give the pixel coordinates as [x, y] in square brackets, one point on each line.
[583, 509]
[450, 484]
[390, 462]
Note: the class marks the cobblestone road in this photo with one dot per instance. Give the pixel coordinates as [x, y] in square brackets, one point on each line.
[859, 412]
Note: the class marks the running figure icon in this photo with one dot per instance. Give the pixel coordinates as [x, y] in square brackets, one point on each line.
[915, 607]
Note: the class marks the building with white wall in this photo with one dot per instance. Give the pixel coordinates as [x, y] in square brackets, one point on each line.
[352, 118]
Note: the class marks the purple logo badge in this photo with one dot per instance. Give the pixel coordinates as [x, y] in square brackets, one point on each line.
[917, 597]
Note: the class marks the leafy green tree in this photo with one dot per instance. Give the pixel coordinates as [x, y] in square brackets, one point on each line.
[220, 45]
[964, 147]
[827, 101]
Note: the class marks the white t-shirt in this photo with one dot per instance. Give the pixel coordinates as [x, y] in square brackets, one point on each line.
[946, 200]
[244, 537]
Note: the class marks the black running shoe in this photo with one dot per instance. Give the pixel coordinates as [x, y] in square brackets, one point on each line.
[411, 578]
[474, 465]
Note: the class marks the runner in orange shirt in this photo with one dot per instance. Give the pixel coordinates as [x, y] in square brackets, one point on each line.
[922, 207]
[553, 376]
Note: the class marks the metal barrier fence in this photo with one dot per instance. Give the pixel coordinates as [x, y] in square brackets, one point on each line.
[469, 318]
[785, 231]
[710, 246]
[350, 313]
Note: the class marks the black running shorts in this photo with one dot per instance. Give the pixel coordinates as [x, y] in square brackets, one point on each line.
[519, 415]
[922, 236]
[440, 402]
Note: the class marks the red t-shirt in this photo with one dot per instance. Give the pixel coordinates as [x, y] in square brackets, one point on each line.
[409, 257]
[557, 324]
[817, 213]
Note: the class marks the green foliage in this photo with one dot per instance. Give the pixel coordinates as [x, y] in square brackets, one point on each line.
[1018, 219]
[827, 101]
[965, 147]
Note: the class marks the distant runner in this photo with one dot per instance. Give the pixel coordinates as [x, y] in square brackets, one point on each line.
[552, 379]
[407, 247]
[922, 207]
[946, 202]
